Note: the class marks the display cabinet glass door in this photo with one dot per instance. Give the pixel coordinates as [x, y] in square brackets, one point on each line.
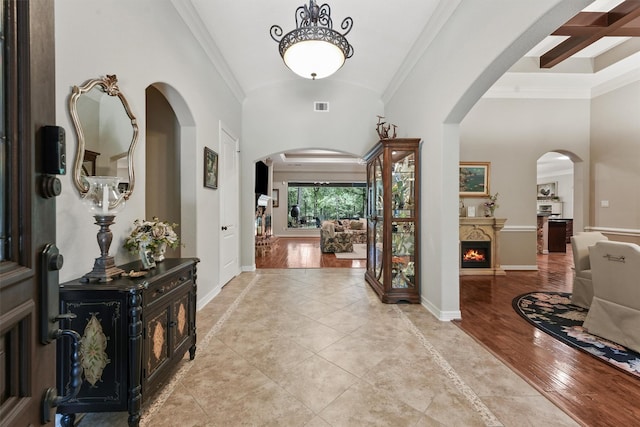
[375, 218]
[403, 226]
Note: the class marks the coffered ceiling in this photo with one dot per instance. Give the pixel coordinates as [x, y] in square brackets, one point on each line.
[619, 24]
[593, 52]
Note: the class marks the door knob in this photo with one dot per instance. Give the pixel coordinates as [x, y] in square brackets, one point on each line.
[224, 228]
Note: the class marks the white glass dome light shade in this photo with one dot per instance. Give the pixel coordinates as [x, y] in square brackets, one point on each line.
[309, 57]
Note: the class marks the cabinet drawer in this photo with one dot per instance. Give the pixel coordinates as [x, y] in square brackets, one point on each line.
[158, 289]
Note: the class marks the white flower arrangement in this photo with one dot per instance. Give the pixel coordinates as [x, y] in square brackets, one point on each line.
[493, 202]
[152, 234]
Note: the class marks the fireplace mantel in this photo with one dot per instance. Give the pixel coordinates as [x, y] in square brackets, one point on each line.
[483, 229]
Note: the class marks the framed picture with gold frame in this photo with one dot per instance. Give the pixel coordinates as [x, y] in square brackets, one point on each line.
[474, 179]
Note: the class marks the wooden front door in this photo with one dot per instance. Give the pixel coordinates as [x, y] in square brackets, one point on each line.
[27, 218]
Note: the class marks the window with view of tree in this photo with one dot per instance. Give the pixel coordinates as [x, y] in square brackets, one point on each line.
[316, 202]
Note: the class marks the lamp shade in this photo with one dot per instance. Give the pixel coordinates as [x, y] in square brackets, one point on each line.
[314, 50]
[314, 59]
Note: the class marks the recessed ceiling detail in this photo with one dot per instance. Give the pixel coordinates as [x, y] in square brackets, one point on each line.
[317, 156]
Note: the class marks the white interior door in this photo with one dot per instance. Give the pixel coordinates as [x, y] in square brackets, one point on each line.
[229, 206]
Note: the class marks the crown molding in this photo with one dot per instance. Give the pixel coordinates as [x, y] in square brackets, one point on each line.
[191, 18]
[440, 16]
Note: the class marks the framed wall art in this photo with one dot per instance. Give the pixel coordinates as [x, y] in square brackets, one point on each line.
[474, 179]
[210, 168]
[548, 190]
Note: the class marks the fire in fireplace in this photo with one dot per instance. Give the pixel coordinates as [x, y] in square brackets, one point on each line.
[475, 254]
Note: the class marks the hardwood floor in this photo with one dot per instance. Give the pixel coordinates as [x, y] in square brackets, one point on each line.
[592, 392]
[303, 252]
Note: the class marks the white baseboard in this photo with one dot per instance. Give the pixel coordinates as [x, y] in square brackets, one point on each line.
[206, 299]
[248, 268]
[520, 267]
[444, 316]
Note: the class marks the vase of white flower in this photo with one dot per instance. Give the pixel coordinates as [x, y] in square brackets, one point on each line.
[491, 206]
[153, 236]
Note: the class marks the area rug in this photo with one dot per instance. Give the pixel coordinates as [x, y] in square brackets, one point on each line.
[359, 252]
[553, 313]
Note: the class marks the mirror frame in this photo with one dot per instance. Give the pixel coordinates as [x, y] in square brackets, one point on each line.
[109, 85]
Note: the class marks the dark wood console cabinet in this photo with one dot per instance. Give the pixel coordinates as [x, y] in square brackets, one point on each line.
[134, 331]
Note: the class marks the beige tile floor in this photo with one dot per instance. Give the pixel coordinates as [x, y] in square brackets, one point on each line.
[315, 347]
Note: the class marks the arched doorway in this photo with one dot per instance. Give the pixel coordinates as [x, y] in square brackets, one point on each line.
[168, 117]
[562, 188]
[555, 183]
[162, 160]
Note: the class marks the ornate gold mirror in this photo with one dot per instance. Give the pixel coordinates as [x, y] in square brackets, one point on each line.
[107, 133]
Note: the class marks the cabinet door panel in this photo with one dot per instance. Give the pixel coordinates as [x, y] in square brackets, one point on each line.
[156, 343]
[102, 324]
[179, 325]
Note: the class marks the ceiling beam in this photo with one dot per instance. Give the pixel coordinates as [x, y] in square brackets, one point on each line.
[588, 27]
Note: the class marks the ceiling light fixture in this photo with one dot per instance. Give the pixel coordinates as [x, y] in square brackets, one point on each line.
[314, 50]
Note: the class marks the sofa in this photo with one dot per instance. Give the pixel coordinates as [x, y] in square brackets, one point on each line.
[341, 235]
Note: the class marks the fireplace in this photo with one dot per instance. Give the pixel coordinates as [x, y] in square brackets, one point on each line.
[475, 254]
[480, 246]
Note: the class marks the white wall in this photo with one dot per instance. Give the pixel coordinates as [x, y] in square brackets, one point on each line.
[460, 63]
[445, 76]
[143, 43]
[280, 118]
[564, 179]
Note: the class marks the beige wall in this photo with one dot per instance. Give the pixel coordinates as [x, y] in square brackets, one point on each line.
[512, 134]
[615, 163]
[603, 132]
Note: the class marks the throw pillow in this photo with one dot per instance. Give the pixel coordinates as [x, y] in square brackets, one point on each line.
[339, 228]
[357, 225]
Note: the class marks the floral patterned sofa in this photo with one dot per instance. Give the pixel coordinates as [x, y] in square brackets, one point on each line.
[341, 235]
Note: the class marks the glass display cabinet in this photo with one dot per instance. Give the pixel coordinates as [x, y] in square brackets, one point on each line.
[393, 210]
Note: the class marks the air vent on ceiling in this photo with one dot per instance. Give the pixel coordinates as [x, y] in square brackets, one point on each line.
[321, 106]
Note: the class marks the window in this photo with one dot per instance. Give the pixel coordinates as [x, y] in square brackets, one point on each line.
[308, 204]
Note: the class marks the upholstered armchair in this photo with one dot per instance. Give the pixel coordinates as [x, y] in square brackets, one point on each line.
[615, 310]
[334, 241]
[582, 288]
